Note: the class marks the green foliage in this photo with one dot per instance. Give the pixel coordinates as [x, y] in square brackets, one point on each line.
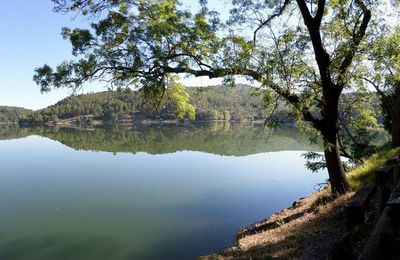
[98, 105]
[359, 118]
[384, 75]
[227, 116]
[360, 133]
[363, 174]
[142, 43]
[173, 99]
[215, 102]
[133, 43]
[179, 98]
[314, 161]
[13, 114]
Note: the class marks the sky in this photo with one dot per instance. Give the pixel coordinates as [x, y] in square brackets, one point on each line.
[30, 36]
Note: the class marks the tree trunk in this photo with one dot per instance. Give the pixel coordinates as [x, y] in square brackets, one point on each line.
[337, 176]
[330, 134]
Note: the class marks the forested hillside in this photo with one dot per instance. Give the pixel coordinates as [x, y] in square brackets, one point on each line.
[103, 105]
[13, 114]
[211, 103]
[224, 103]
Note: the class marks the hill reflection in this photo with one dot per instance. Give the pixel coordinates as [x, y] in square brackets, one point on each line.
[221, 139]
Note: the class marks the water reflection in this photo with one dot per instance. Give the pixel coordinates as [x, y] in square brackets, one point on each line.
[216, 138]
[142, 192]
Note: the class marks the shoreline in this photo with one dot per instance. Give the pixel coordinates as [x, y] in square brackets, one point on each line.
[74, 122]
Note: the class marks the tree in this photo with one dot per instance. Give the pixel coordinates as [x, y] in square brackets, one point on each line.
[358, 129]
[302, 50]
[384, 76]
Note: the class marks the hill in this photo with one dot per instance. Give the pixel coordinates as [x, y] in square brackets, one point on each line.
[12, 115]
[219, 102]
[211, 103]
[103, 105]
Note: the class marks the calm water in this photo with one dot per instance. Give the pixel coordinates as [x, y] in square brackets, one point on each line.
[155, 192]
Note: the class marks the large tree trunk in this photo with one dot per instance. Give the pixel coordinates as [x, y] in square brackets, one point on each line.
[328, 123]
[337, 176]
[330, 134]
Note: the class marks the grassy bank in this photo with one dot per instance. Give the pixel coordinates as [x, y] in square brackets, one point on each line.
[310, 228]
[362, 175]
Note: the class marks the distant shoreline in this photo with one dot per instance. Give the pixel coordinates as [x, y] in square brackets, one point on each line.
[76, 121]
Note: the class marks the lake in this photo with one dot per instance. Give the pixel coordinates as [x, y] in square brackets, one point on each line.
[143, 192]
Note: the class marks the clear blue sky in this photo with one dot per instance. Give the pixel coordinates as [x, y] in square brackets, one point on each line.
[30, 36]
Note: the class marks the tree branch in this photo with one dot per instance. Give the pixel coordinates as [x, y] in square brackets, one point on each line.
[358, 36]
[313, 26]
[304, 11]
[270, 18]
[320, 12]
[384, 97]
